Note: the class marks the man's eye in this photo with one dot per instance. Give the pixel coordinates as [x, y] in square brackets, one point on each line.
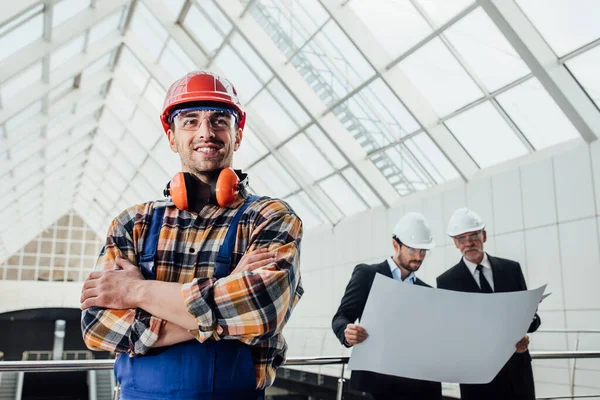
[190, 121]
[220, 122]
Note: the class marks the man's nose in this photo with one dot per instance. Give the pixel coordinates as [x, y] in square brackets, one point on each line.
[204, 130]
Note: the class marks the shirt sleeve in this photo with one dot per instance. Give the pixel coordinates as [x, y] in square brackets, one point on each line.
[123, 331]
[252, 306]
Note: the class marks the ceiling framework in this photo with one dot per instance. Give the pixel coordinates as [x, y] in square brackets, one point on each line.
[350, 106]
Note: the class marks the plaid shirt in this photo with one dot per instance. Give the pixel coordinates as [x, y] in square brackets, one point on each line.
[252, 307]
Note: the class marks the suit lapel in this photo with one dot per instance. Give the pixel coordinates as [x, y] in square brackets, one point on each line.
[498, 276]
[468, 278]
[384, 268]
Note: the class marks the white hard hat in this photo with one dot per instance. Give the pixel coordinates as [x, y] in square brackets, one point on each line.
[413, 230]
[464, 220]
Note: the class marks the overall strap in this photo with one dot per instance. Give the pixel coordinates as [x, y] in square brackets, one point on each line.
[151, 243]
[223, 261]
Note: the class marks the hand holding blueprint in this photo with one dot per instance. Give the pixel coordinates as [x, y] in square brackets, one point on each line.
[441, 335]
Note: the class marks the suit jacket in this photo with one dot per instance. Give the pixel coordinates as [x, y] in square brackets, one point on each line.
[515, 380]
[351, 308]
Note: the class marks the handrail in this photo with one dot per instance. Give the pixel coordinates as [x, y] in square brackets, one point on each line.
[568, 331]
[84, 365]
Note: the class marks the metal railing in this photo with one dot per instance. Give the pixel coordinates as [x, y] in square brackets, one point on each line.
[85, 365]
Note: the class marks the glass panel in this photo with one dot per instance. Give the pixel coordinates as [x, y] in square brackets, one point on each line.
[15, 85]
[134, 70]
[206, 32]
[308, 157]
[288, 23]
[402, 170]
[361, 187]
[566, 25]
[21, 117]
[537, 115]
[66, 52]
[307, 210]
[110, 126]
[174, 6]
[61, 89]
[21, 36]
[154, 173]
[396, 24]
[120, 163]
[120, 104]
[98, 65]
[148, 30]
[246, 82]
[145, 129]
[155, 94]
[118, 183]
[175, 61]
[67, 9]
[145, 189]
[166, 158]
[375, 117]
[342, 195]
[486, 51]
[585, 68]
[274, 116]
[440, 78]
[26, 149]
[251, 57]
[250, 150]
[293, 108]
[134, 151]
[25, 169]
[331, 64]
[16, 22]
[103, 28]
[442, 11]
[331, 152]
[276, 180]
[431, 158]
[486, 136]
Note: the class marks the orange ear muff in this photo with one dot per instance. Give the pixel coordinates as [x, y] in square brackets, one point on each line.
[227, 187]
[178, 191]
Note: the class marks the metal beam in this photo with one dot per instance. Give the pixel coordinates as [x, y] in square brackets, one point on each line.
[177, 33]
[545, 66]
[66, 31]
[13, 9]
[408, 94]
[71, 69]
[291, 79]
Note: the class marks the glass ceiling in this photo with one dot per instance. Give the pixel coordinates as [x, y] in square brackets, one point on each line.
[351, 106]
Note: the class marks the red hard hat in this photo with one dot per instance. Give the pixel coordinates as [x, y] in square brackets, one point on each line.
[201, 86]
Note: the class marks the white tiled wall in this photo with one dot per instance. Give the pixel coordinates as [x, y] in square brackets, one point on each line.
[542, 213]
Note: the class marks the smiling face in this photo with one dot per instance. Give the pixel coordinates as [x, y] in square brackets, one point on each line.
[205, 141]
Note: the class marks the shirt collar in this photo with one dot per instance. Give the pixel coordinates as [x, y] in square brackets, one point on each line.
[411, 278]
[472, 267]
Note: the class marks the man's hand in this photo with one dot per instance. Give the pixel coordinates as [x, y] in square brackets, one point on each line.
[116, 289]
[256, 259]
[355, 334]
[523, 344]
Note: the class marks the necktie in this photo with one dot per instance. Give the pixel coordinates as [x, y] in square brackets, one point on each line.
[483, 283]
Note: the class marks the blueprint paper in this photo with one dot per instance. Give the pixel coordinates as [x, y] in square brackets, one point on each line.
[441, 335]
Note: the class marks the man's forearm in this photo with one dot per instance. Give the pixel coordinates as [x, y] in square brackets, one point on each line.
[172, 334]
[164, 300]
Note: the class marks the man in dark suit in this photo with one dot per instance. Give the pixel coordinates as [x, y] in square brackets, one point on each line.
[411, 240]
[478, 272]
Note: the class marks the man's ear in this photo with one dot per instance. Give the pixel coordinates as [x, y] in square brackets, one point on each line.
[238, 139]
[484, 236]
[172, 144]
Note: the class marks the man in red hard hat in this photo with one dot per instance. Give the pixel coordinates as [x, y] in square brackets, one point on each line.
[197, 288]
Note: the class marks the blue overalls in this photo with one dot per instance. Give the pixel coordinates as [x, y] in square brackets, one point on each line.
[212, 370]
